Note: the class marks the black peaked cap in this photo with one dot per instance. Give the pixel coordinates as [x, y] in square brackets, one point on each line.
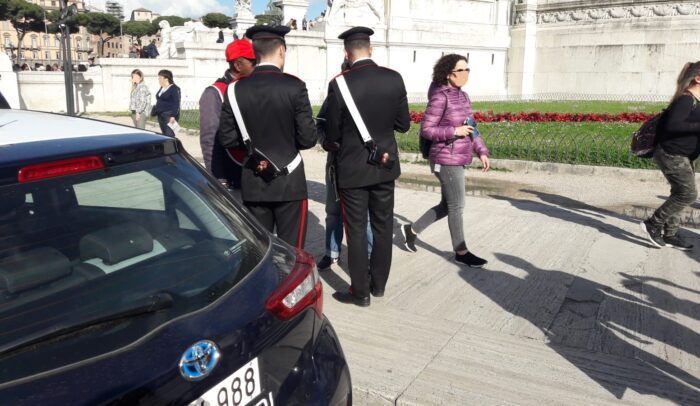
[356, 33]
[267, 32]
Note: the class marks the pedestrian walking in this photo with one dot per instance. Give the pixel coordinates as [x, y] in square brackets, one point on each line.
[334, 218]
[453, 144]
[268, 115]
[140, 100]
[366, 104]
[677, 148]
[167, 107]
[241, 62]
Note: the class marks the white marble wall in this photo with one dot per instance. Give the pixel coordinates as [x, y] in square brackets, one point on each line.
[608, 48]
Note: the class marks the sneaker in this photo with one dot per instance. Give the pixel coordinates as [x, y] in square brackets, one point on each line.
[325, 263]
[654, 234]
[470, 260]
[409, 238]
[678, 242]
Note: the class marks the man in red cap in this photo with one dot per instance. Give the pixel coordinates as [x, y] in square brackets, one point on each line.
[241, 62]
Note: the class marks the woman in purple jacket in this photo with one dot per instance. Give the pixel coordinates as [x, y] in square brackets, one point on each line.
[453, 143]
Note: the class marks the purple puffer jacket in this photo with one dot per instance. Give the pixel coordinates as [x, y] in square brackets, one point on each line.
[447, 109]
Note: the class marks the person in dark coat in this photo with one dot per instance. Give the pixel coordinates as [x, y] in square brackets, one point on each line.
[241, 60]
[152, 50]
[334, 219]
[276, 113]
[367, 169]
[167, 106]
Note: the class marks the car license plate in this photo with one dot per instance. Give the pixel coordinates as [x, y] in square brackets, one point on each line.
[240, 388]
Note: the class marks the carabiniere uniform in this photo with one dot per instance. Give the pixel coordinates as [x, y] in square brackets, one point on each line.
[380, 96]
[277, 114]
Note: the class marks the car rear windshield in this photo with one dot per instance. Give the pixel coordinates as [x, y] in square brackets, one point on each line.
[154, 233]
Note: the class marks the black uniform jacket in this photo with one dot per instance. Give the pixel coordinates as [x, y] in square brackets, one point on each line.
[380, 96]
[277, 113]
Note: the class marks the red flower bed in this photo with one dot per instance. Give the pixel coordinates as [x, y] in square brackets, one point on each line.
[536, 117]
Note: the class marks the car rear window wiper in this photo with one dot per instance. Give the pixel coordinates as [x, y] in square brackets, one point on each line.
[145, 305]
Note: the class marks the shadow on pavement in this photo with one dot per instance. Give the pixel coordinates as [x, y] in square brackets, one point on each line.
[554, 211]
[594, 318]
[659, 298]
[317, 191]
[574, 205]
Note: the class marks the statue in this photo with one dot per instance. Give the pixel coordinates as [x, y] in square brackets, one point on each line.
[243, 9]
[368, 13]
[164, 49]
[171, 36]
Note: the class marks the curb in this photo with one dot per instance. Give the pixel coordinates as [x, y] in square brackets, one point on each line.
[556, 168]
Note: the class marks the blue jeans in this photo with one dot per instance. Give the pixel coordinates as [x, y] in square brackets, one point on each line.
[334, 224]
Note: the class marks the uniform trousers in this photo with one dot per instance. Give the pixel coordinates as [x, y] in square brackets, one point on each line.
[378, 199]
[288, 218]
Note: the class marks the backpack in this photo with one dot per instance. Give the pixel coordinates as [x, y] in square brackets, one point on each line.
[644, 139]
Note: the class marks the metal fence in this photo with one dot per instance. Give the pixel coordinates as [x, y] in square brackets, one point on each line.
[591, 143]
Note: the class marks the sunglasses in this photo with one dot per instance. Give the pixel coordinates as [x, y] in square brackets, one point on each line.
[462, 70]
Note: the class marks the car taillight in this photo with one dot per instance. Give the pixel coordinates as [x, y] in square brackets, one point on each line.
[59, 168]
[301, 289]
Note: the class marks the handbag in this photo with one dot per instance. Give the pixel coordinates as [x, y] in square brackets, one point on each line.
[153, 111]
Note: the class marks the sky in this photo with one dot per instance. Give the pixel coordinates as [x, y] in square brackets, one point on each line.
[196, 9]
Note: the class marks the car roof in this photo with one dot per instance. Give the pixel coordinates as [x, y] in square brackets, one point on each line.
[30, 137]
[21, 126]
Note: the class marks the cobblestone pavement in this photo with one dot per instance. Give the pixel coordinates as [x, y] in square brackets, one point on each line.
[574, 307]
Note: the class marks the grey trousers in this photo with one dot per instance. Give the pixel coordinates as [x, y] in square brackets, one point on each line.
[680, 173]
[451, 205]
[141, 122]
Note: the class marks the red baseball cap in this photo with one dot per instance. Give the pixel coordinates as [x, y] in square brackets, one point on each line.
[239, 48]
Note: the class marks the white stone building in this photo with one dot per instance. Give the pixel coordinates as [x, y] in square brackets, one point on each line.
[595, 49]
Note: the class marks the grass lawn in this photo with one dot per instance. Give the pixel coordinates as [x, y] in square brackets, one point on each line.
[575, 143]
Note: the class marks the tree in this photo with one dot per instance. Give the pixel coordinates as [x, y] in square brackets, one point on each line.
[272, 16]
[106, 26]
[216, 20]
[173, 20]
[54, 16]
[24, 17]
[138, 29]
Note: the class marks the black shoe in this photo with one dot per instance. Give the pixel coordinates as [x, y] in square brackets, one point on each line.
[325, 263]
[678, 242]
[654, 234]
[376, 292]
[349, 298]
[470, 260]
[409, 238]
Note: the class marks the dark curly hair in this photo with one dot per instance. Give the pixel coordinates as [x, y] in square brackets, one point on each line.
[444, 67]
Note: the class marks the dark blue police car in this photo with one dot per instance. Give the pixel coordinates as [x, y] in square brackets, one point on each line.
[129, 276]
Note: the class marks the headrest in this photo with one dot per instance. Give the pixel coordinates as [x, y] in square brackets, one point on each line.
[33, 268]
[10, 199]
[115, 244]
